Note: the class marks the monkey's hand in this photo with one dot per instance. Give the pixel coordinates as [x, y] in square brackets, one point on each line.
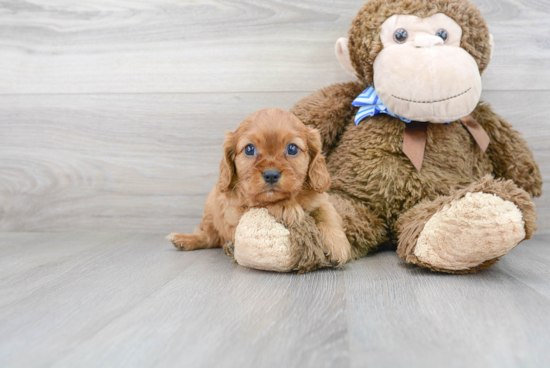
[263, 243]
[511, 157]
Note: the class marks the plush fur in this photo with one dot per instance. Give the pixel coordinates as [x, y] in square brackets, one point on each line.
[450, 238]
[299, 191]
[382, 198]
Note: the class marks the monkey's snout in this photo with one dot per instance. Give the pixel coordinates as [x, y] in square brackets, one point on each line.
[428, 41]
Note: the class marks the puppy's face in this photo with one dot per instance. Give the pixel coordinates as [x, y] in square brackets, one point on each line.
[272, 156]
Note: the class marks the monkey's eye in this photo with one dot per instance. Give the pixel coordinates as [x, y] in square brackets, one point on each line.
[292, 150]
[401, 35]
[442, 33]
[250, 150]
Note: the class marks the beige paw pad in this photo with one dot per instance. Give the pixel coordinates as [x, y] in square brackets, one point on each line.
[263, 243]
[470, 231]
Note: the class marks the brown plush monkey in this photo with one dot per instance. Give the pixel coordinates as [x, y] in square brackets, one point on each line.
[415, 171]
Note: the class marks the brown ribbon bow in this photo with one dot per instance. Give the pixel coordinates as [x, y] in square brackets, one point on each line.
[414, 141]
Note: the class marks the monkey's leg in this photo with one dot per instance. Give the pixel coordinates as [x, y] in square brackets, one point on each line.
[468, 230]
[364, 230]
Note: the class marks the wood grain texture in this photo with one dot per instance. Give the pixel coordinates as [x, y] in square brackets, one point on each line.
[132, 300]
[147, 162]
[426, 319]
[112, 114]
[168, 46]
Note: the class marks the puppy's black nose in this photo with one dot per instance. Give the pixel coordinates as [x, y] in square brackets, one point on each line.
[271, 176]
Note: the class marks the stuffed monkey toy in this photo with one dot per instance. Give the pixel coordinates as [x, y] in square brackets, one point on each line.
[417, 161]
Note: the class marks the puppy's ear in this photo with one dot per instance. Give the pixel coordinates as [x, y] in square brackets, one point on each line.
[227, 165]
[318, 176]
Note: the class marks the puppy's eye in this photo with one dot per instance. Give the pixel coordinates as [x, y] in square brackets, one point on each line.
[250, 150]
[292, 150]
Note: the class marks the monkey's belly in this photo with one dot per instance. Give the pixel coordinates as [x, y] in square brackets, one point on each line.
[369, 164]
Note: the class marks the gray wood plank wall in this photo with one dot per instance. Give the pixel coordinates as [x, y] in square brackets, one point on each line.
[112, 114]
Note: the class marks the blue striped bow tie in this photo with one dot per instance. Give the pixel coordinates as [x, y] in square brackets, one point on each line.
[369, 105]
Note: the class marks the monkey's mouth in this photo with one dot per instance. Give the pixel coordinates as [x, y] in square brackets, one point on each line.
[429, 102]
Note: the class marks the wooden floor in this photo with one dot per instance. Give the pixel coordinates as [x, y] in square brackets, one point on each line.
[131, 300]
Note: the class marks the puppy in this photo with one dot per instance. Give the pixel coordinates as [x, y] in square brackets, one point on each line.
[274, 161]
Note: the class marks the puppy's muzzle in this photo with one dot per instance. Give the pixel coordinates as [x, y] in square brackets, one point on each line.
[271, 176]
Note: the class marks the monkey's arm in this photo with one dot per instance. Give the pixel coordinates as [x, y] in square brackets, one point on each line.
[511, 157]
[329, 110]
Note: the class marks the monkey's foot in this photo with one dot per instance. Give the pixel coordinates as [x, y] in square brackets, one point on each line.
[468, 230]
[475, 229]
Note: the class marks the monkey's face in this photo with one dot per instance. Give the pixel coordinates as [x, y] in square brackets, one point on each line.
[422, 73]
[423, 57]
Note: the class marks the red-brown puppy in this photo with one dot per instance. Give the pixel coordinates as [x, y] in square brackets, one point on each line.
[274, 161]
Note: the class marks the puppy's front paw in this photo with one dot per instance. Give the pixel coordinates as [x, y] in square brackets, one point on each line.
[287, 213]
[338, 257]
[337, 248]
[183, 241]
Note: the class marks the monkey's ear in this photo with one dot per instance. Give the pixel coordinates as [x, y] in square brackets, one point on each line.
[342, 53]
[227, 165]
[492, 45]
